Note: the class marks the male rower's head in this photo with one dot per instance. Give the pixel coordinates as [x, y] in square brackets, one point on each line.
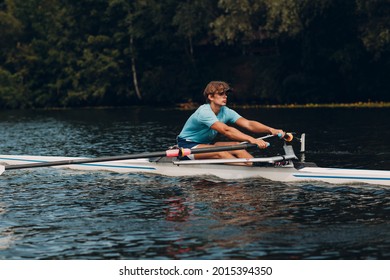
[216, 87]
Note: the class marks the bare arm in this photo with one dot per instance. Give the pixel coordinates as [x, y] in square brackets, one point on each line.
[234, 134]
[257, 127]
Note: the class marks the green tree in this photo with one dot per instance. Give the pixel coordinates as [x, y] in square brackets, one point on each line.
[10, 27]
[118, 52]
[374, 25]
[192, 19]
[239, 21]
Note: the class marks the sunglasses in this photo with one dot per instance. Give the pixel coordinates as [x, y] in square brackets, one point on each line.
[224, 92]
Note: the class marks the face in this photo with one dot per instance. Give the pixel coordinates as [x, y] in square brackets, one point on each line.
[219, 98]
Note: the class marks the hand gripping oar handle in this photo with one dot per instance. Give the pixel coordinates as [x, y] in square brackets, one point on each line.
[168, 153]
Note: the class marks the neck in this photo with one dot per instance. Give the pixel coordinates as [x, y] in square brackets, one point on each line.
[216, 108]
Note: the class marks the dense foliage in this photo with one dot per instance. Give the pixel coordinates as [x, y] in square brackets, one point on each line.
[120, 52]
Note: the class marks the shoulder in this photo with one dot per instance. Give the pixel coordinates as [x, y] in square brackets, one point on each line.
[232, 115]
[205, 115]
[226, 109]
[204, 108]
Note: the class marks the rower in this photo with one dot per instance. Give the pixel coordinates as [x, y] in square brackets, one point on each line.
[213, 118]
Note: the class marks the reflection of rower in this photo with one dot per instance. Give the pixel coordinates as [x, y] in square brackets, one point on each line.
[6, 233]
[177, 210]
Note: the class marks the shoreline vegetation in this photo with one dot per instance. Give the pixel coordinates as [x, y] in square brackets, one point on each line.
[81, 54]
[329, 105]
[193, 106]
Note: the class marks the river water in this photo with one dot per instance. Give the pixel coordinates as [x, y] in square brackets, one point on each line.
[52, 213]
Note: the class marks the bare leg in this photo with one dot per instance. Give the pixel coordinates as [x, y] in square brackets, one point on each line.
[225, 154]
[235, 153]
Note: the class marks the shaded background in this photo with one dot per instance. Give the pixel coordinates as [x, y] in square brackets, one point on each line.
[61, 53]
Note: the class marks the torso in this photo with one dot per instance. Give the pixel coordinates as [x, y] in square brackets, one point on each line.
[198, 126]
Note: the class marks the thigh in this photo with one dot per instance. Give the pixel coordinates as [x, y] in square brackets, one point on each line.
[235, 153]
[212, 155]
[224, 154]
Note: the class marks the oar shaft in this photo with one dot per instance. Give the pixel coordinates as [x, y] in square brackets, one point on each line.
[81, 161]
[168, 153]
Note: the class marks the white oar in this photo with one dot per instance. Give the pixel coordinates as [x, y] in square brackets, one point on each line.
[167, 153]
[287, 137]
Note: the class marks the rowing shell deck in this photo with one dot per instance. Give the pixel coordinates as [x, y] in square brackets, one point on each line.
[286, 172]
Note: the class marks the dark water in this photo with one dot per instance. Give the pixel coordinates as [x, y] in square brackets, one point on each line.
[61, 214]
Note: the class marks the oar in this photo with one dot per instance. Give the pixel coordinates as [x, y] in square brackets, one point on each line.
[288, 137]
[167, 153]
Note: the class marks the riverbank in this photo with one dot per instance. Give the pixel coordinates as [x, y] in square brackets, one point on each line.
[192, 105]
[330, 105]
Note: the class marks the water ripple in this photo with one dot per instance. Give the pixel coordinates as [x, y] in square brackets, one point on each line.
[61, 214]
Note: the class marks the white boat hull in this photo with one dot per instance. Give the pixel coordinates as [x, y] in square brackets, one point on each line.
[286, 173]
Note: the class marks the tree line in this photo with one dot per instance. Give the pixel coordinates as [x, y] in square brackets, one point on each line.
[63, 53]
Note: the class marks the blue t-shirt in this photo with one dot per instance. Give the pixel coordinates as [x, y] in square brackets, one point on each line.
[197, 128]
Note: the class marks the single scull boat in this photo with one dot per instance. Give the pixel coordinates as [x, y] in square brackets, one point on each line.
[284, 168]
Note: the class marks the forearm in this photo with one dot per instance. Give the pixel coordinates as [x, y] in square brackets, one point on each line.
[234, 134]
[257, 127]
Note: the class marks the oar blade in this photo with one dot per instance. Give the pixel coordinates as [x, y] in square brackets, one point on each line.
[2, 168]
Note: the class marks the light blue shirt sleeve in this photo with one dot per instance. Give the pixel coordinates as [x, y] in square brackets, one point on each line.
[230, 115]
[206, 116]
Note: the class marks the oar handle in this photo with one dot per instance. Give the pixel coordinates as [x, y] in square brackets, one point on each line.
[287, 136]
[261, 138]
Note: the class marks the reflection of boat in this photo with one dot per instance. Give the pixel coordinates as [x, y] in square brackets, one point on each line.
[282, 168]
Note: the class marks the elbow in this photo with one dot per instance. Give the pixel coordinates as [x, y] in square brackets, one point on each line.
[227, 131]
[231, 133]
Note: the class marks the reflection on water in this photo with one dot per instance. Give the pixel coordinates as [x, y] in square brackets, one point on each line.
[6, 232]
[62, 214]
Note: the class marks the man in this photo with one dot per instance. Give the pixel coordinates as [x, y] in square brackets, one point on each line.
[214, 117]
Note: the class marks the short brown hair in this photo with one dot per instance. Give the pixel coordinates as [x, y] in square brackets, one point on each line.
[215, 87]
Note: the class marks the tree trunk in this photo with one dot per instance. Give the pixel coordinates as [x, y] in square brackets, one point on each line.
[134, 70]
